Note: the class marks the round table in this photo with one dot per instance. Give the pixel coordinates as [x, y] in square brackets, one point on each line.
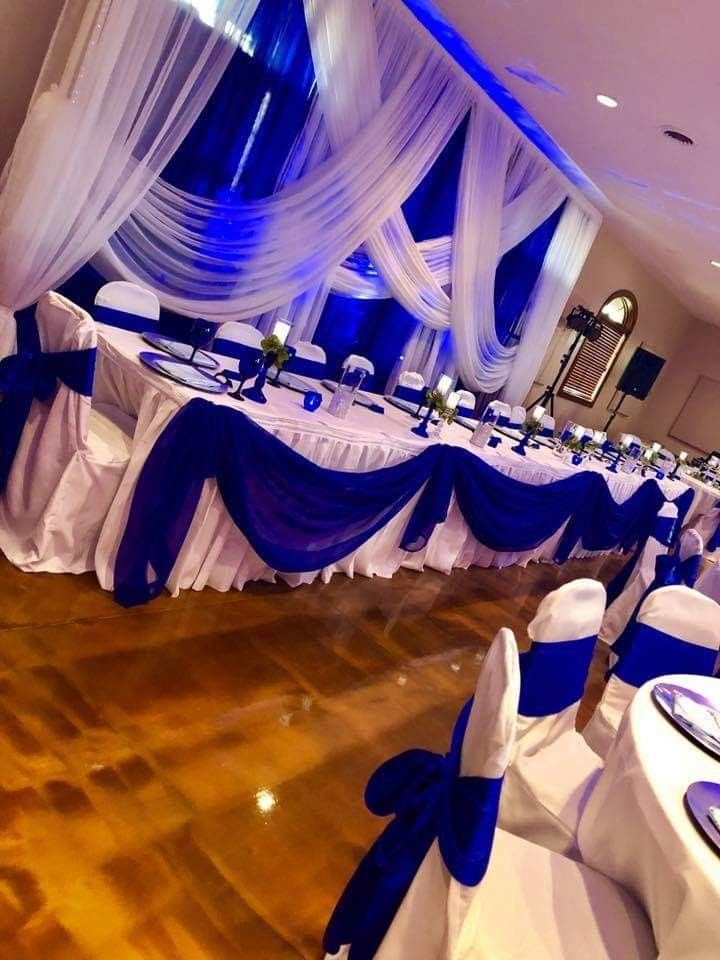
[635, 827]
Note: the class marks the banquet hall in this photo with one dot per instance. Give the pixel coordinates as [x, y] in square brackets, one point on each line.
[359, 480]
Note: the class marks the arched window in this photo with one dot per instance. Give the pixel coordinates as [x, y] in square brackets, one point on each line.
[594, 360]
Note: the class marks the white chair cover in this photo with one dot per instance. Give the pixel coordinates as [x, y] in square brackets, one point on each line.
[466, 402]
[517, 417]
[305, 350]
[553, 770]
[548, 424]
[658, 543]
[430, 917]
[675, 613]
[68, 464]
[502, 410]
[237, 332]
[708, 582]
[412, 380]
[355, 361]
[129, 298]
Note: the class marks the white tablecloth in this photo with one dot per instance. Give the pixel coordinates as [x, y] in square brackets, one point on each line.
[636, 830]
[216, 553]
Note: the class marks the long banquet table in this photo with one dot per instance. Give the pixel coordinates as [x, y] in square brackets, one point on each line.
[637, 830]
[216, 553]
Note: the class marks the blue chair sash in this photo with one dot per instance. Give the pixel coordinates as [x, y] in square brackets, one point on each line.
[547, 432]
[410, 394]
[466, 411]
[429, 800]
[123, 320]
[503, 420]
[231, 348]
[654, 653]
[664, 531]
[31, 375]
[303, 367]
[553, 675]
[669, 571]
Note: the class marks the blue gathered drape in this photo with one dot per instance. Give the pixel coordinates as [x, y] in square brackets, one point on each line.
[300, 517]
[429, 800]
[29, 374]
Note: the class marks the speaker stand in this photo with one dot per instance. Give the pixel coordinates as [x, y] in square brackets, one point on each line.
[614, 413]
[547, 399]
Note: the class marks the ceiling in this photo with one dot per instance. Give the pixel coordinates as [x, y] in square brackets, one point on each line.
[659, 59]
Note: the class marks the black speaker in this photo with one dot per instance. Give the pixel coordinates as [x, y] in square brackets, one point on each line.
[640, 373]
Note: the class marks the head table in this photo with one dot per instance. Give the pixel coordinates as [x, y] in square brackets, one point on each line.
[215, 553]
[636, 829]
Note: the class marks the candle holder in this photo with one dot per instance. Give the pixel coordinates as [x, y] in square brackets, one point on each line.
[530, 429]
[276, 354]
[434, 400]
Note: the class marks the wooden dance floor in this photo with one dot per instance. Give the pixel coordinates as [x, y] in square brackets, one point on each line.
[184, 781]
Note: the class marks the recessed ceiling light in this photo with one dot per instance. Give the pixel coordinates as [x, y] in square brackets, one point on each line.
[605, 100]
[715, 263]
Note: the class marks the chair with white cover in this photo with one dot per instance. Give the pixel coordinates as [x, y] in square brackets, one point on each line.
[441, 882]
[553, 770]
[236, 339]
[547, 425]
[355, 361]
[70, 458]
[677, 630]
[708, 583]
[628, 587]
[410, 390]
[503, 412]
[307, 363]
[517, 418]
[466, 403]
[127, 305]
[708, 526]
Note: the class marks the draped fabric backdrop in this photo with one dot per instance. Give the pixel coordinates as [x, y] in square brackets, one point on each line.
[306, 195]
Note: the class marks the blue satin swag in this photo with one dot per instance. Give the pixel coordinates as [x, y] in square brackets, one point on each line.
[31, 375]
[430, 801]
[300, 517]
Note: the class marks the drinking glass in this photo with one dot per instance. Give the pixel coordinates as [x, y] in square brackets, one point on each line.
[202, 334]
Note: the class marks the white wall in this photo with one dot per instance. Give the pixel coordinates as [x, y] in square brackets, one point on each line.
[26, 27]
[662, 325]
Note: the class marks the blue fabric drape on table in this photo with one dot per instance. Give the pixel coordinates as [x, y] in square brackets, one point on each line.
[670, 571]
[296, 515]
[654, 654]
[553, 675]
[31, 375]
[429, 800]
[300, 517]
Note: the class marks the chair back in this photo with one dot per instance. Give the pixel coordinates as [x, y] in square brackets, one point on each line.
[503, 411]
[309, 360]
[466, 403]
[410, 387]
[356, 361]
[235, 339]
[691, 544]
[517, 417]
[127, 305]
[547, 425]
[554, 670]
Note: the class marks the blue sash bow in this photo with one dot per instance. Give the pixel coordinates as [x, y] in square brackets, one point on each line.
[410, 394]
[654, 653]
[123, 320]
[430, 801]
[31, 375]
[553, 675]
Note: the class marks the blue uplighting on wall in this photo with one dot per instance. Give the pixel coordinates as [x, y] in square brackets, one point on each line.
[466, 58]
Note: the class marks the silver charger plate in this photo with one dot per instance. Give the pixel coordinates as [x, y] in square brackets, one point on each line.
[293, 382]
[182, 372]
[362, 399]
[663, 695]
[183, 351]
[699, 797]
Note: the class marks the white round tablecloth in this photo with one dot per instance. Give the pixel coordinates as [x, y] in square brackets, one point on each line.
[635, 827]
[216, 553]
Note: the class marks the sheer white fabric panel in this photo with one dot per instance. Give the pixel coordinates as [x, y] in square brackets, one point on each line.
[91, 145]
[564, 260]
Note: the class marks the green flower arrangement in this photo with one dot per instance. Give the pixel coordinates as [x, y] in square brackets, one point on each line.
[273, 345]
[532, 427]
[436, 401]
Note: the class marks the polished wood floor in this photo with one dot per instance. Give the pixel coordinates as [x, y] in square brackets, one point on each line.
[184, 781]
